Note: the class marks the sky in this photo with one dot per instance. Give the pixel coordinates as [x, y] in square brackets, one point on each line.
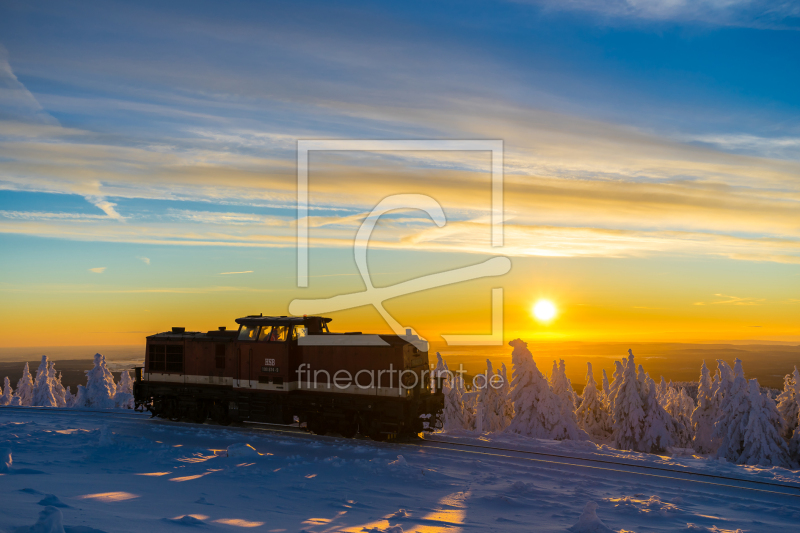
[651, 165]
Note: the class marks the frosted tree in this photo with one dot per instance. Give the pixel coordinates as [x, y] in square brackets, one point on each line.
[491, 403]
[591, 414]
[58, 388]
[619, 373]
[561, 385]
[705, 414]
[508, 407]
[606, 388]
[787, 402]
[662, 393]
[762, 442]
[69, 399]
[124, 395]
[43, 386]
[25, 387]
[453, 415]
[680, 407]
[8, 393]
[658, 424]
[100, 388]
[734, 410]
[628, 414]
[538, 411]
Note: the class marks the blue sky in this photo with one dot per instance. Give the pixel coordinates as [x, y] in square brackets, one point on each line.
[641, 130]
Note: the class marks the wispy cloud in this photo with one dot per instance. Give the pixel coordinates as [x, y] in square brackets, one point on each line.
[242, 272]
[734, 300]
[98, 270]
[756, 13]
[145, 260]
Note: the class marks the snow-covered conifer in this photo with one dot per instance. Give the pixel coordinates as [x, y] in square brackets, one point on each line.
[704, 415]
[538, 411]
[606, 388]
[124, 396]
[679, 407]
[508, 406]
[561, 385]
[762, 443]
[628, 414]
[491, 402]
[58, 387]
[734, 410]
[659, 426]
[69, 398]
[100, 388]
[8, 392]
[43, 386]
[617, 377]
[591, 414]
[662, 392]
[25, 387]
[787, 402]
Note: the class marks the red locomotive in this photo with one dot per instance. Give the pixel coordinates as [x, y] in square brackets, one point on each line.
[275, 368]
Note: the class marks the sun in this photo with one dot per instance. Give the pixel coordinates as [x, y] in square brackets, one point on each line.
[544, 311]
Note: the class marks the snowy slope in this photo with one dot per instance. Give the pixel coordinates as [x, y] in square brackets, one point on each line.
[123, 472]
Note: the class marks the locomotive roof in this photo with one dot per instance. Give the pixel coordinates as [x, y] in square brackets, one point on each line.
[280, 320]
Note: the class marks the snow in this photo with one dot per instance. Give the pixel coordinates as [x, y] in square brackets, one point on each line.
[155, 475]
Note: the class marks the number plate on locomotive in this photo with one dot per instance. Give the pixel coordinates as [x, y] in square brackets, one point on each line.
[271, 369]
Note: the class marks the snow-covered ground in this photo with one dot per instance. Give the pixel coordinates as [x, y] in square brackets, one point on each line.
[118, 471]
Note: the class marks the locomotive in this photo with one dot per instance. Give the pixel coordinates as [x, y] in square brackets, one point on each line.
[276, 369]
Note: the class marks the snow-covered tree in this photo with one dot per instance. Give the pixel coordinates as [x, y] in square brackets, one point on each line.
[124, 395]
[8, 392]
[538, 411]
[662, 392]
[704, 415]
[100, 388]
[505, 391]
[734, 414]
[762, 443]
[491, 403]
[613, 391]
[43, 386]
[680, 406]
[606, 389]
[58, 388]
[561, 385]
[787, 402]
[25, 387]
[69, 398]
[628, 408]
[659, 426]
[591, 414]
[454, 416]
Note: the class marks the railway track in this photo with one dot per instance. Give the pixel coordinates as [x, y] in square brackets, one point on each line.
[604, 466]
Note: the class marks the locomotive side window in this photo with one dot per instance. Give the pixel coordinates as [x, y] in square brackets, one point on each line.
[248, 333]
[174, 358]
[219, 355]
[300, 331]
[157, 357]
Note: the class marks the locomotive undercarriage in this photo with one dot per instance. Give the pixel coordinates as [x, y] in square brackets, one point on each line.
[379, 418]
